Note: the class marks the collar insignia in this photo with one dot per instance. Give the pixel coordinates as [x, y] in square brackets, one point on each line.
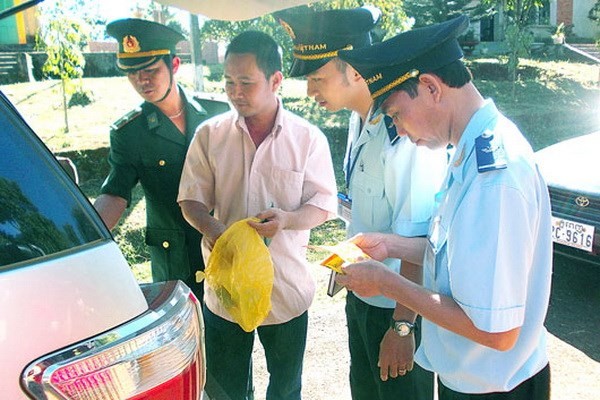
[376, 120]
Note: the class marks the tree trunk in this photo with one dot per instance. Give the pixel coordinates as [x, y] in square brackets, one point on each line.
[196, 53]
[64, 93]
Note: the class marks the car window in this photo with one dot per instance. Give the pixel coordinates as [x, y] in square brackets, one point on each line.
[42, 212]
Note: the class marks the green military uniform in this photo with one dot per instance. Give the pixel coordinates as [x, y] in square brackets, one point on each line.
[146, 147]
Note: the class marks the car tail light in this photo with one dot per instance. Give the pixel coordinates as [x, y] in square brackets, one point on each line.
[159, 355]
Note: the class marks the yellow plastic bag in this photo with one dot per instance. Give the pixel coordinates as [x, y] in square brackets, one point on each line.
[240, 271]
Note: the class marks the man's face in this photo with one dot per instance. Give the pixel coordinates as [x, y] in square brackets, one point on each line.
[152, 82]
[415, 118]
[328, 86]
[250, 92]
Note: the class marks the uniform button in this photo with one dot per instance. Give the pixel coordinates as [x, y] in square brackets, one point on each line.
[165, 244]
[162, 163]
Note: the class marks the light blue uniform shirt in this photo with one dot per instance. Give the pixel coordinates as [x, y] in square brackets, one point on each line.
[491, 251]
[392, 185]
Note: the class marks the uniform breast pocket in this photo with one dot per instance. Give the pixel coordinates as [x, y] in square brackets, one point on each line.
[369, 203]
[287, 188]
[161, 174]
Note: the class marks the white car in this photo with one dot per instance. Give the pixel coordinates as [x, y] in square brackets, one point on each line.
[74, 323]
[570, 168]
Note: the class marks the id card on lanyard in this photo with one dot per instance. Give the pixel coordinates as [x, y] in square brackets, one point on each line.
[344, 208]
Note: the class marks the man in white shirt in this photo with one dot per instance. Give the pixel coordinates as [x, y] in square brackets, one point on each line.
[259, 160]
[390, 186]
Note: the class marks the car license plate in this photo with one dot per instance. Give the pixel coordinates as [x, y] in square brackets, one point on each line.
[574, 234]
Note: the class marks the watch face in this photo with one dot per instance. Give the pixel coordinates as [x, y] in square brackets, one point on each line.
[402, 328]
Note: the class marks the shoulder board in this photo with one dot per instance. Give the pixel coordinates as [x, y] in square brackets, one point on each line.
[391, 129]
[489, 151]
[125, 119]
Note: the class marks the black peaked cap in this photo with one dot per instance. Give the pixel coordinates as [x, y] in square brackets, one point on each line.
[319, 35]
[388, 64]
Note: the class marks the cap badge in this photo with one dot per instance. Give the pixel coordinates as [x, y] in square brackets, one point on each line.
[131, 44]
[288, 29]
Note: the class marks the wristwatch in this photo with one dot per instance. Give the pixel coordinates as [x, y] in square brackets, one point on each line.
[402, 328]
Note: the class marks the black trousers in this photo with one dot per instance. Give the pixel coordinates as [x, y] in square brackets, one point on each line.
[535, 388]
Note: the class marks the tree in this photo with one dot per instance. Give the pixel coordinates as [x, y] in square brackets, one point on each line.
[63, 38]
[594, 13]
[160, 13]
[426, 12]
[393, 21]
[519, 15]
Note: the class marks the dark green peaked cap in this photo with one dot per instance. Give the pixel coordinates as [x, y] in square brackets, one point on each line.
[142, 42]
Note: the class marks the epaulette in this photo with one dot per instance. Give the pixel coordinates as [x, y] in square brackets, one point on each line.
[125, 119]
[389, 126]
[490, 152]
[391, 129]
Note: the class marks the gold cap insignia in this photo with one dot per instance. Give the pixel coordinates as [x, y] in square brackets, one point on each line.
[288, 29]
[131, 44]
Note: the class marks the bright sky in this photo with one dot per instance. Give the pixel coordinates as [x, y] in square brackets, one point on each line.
[116, 9]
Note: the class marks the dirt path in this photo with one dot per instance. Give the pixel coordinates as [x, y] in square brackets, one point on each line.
[574, 344]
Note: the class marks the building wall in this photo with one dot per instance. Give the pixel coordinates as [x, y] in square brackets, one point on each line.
[19, 28]
[582, 25]
[575, 12]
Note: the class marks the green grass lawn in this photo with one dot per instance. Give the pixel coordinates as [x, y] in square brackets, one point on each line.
[553, 100]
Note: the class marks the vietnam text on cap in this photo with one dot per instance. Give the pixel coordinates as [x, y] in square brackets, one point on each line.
[142, 42]
[319, 35]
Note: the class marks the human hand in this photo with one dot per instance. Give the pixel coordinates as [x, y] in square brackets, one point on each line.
[364, 277]
[272, 220]
[373, 244]
[395, 355]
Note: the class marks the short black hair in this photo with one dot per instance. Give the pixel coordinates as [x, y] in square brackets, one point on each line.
[456, 74]
[264, 48]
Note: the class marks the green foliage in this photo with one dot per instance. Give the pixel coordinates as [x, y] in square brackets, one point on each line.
[519, 42]
[426, 12]
[215, 73]
[88, 12]
[148, 10]
[594, 13]
[62, 39]
[522, 12]
[80, 98]
[393, 21]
